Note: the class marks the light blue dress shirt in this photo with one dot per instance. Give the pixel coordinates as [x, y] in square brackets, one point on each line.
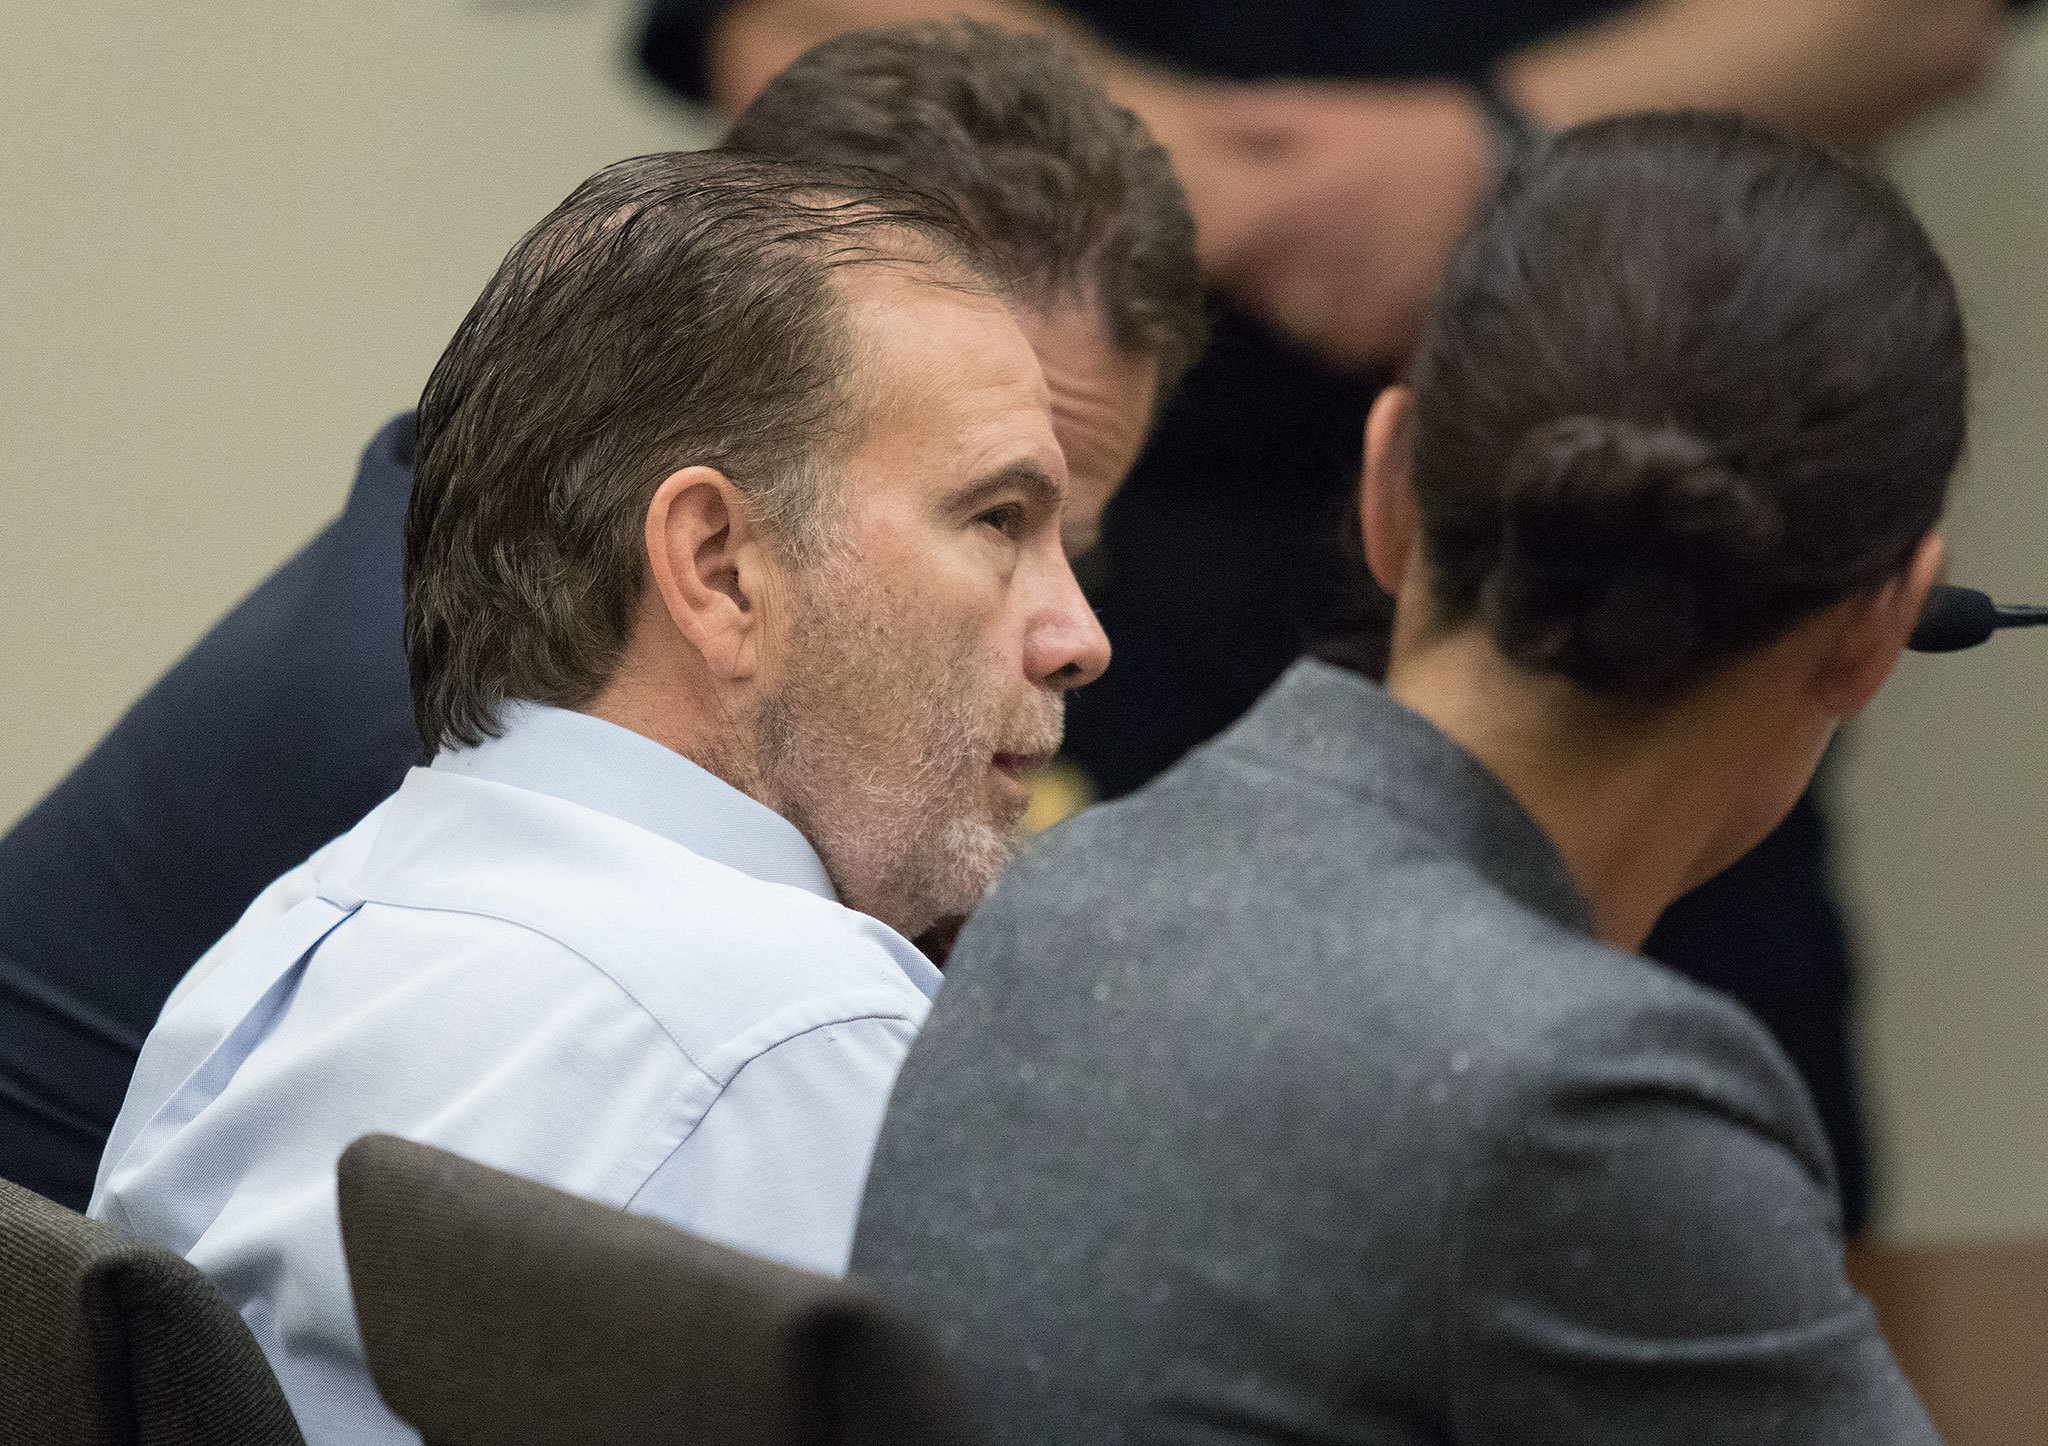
[569, 953]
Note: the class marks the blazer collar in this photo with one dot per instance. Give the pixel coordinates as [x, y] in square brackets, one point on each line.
[1339, 729]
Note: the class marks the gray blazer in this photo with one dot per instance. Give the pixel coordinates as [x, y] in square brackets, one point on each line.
[1288, 1101]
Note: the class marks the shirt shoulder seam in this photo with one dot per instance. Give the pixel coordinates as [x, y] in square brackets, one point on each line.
[767, 1049]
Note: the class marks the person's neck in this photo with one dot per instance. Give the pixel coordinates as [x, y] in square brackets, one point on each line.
[1639, 803]
[661, 698]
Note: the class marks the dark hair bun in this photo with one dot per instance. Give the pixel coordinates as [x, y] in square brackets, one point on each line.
[1628, 554]
[1688, 382]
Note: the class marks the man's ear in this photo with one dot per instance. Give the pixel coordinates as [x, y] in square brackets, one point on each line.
[1386, 501]
[1875, 629]
[706, 560]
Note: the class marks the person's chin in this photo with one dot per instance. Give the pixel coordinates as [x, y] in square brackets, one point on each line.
[982, 846]
[1005, 821]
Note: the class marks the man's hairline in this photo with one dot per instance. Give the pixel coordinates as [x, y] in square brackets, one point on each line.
[1040, 297]
[828, 474]
[861, 400]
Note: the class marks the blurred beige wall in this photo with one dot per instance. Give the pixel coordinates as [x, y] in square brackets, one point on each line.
[233, 240]
[1946, 788]
[230, 247]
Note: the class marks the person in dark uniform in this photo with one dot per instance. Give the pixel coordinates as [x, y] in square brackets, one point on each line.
[1332, 155]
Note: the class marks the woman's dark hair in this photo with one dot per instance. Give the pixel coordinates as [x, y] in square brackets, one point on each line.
[1689, 380]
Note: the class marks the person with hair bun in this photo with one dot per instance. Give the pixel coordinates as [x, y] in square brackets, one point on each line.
[1318, 1091]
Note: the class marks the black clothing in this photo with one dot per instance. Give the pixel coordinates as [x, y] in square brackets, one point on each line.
[1385, 39]
[1220, 563]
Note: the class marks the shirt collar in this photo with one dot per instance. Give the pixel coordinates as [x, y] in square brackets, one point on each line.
[599, 765]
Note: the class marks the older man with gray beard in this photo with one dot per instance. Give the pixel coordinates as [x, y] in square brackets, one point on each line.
[736, 608]
[294, 716]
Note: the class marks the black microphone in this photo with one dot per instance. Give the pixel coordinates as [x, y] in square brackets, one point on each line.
[1962, 617]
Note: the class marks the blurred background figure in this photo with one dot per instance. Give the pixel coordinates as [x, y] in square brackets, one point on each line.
[1331, 156]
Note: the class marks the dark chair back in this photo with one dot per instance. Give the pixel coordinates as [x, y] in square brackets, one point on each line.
[107, 1341]
[496, 1310]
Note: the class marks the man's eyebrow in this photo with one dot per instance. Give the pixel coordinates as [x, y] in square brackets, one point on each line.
[1024, 476]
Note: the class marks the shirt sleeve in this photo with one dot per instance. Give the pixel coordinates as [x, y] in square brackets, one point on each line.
[778, 1162]
[1650, 1250]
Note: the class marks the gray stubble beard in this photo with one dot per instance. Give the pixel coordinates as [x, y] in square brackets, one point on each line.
[912, 847]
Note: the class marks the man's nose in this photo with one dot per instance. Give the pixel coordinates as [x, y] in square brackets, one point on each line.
[1065, 646]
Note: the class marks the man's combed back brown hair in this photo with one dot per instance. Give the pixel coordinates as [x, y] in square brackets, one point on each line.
[1689, 380]
[677, 310]
[1068, 190]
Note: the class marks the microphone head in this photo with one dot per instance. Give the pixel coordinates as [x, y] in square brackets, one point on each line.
[1954, 617]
